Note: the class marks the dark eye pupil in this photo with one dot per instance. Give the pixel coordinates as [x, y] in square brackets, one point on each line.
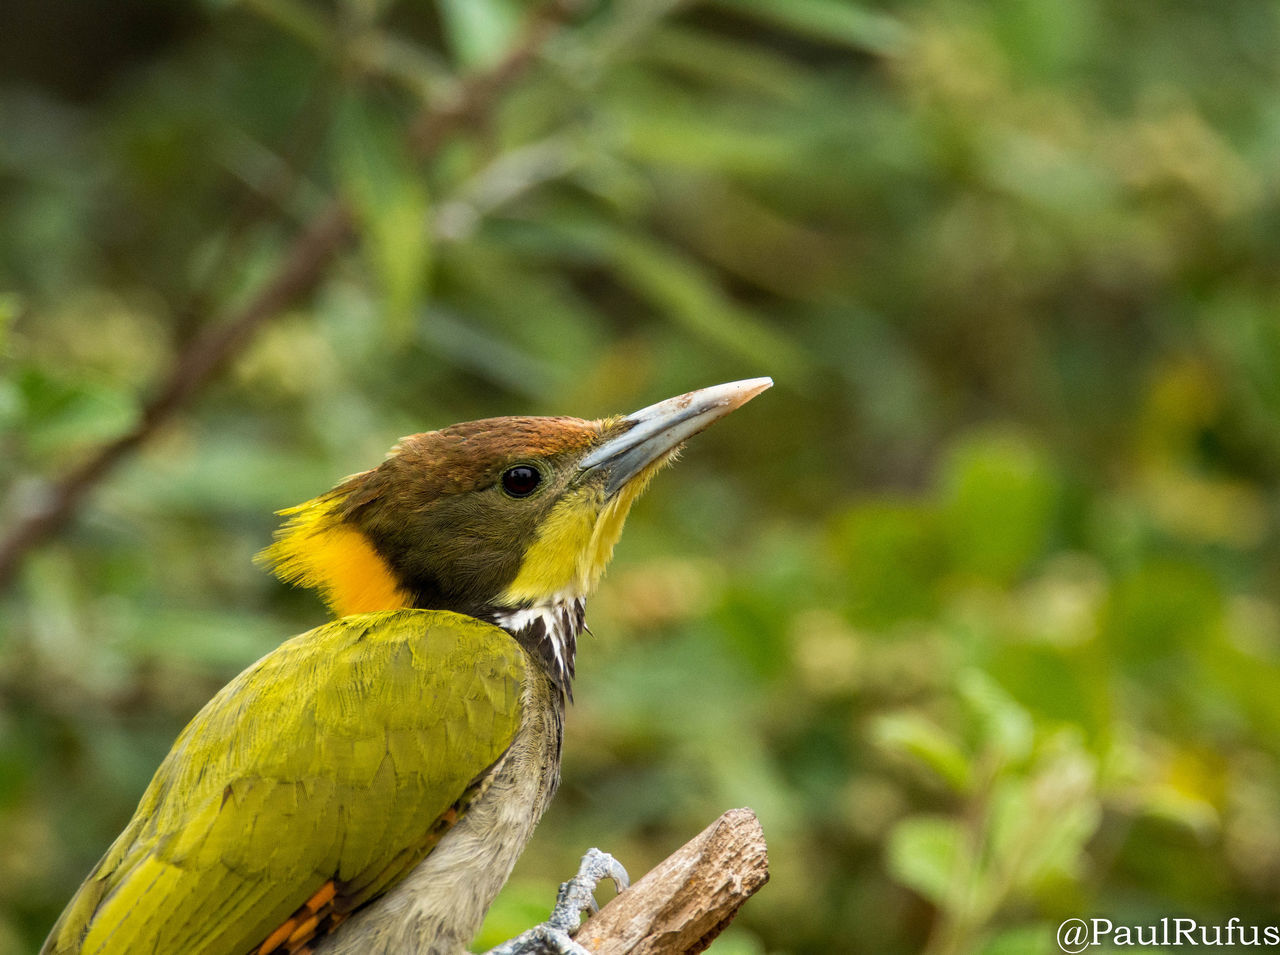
[521, 480]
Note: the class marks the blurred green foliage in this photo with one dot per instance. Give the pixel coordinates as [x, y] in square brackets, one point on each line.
[977, 608]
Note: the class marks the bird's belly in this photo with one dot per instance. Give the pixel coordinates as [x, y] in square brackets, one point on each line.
[438, 908]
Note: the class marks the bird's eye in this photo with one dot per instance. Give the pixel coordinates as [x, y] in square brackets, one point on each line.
[521, 480]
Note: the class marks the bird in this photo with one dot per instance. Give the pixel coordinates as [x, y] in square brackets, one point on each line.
[366, 787]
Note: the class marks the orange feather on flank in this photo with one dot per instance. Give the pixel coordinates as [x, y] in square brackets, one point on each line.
[303, 925]
[276, 938]
[324, 895]
[306, 928]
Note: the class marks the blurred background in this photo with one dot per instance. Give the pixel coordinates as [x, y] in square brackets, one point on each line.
[978, 608]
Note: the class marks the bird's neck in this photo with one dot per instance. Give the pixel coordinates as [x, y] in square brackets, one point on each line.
[549, 632]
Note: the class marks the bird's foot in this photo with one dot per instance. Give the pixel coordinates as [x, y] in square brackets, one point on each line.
[578, 895]
[542, 939]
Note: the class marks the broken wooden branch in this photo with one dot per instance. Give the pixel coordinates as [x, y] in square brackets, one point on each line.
[685, 901]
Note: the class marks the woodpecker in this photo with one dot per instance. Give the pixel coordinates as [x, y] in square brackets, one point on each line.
[366, 787]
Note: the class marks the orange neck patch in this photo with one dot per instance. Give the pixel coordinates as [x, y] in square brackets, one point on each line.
[315, 549]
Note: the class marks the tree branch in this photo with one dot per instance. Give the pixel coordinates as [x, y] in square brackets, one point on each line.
[192, 368]
[301, 270]
[687, 899]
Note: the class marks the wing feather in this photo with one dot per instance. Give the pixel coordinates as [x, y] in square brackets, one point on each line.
[333, 757]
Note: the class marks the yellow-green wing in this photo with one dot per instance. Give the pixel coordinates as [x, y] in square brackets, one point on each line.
[331, 758]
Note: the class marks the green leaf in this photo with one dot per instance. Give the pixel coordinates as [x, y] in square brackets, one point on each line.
[999, 500]
[391, 205]
[1038, 825]
[1160, 611]
[691, 297]
[465, 342]
[831, 21]
[736, 65]
[654, 128]
[1007, 728]
[929, 854]
[480, 31]
[62, 413]
[914, 735]
[891, 555]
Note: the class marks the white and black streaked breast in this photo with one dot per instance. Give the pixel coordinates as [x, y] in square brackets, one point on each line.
[549, 632]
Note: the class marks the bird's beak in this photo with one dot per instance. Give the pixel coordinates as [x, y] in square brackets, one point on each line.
[653, 433]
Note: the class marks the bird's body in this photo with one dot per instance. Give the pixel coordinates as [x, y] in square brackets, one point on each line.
[367, 760]
[367, 786]
[444, 899]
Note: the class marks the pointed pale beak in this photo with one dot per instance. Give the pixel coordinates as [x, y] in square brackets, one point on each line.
[653, 433]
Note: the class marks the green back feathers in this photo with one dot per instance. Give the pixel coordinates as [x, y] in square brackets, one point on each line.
[333, 756]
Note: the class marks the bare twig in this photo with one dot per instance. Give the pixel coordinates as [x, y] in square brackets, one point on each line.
[473, 105]
[298, 274]
[688, 899]
[301, 270]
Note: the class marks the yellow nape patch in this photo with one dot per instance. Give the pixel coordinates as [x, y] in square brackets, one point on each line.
[314, 549]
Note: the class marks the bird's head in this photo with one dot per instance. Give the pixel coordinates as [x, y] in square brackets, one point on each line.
[507, 519]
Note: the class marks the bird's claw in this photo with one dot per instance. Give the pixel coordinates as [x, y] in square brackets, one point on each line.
[544, 939]
[554, 936]
[578, 895]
